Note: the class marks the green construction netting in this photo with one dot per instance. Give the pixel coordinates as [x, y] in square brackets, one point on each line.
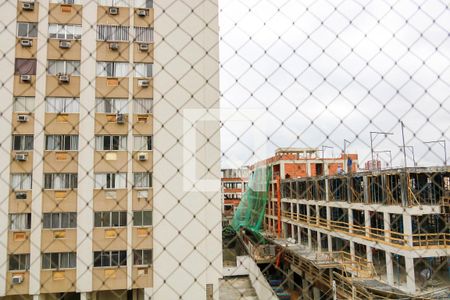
[250, 212]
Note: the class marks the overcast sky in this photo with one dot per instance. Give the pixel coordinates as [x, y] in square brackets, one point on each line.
[312, 73]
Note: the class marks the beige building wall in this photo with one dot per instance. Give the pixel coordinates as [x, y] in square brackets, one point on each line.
[187, 249]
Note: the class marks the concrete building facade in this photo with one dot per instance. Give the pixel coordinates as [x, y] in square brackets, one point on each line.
[85, 192]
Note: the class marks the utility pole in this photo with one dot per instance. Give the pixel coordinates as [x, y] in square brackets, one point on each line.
[404, 146]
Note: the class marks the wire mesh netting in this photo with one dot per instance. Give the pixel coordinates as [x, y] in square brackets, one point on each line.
[329, 120]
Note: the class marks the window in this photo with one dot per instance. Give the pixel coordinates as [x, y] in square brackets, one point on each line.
[112, 33]
[60, 220]
[110, 258]
[61, 142]
[142, 106]
[143, 34]
[60, 181]
[142, 180]
[57, 67]
[64, 32]
[25, 66]
[111, 181]
[143, 70]
[27, 30]
[142, 257]
[19, 221]
[22, 142]
[62, 105]
[142, 218]
[143, 3]
[110, 219]
[23, 104]
[142, 142]
[112, 106]
[112, 69]
[21, 181]
[113, 3]
[111, 142]
[19, 262]
[62, 260]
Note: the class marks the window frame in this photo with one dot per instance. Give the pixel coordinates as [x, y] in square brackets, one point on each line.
[102, 256]
[48, 220]
[138, 218]
[20, 228]
[29, 177]
[66, 102]
[141, 255]
[141, 184]
[28, 105]
[62, 143]
[52, 63]
[122, 142]
[23, 262]
[65, 28]
[109, 181]
[68, 180]
[28, 29]
[110, 69]
[117, 105]
[48, 260]
[23, 143]
[142, 142]
[104, 219]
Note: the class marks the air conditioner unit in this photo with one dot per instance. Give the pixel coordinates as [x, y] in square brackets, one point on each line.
[29, 6]
[142, 12]
[17, 279]
[142, 156]
[143, 83]
[114, 46]
[21, 196]
[113, 11]
[25, 78]
[120, 118]
[143, 47]
[21, 157]
[64, 78]
[64, 44]
[26, 43]
[22, 118]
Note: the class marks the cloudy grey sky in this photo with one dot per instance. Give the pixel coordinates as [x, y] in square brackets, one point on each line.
[311, 73]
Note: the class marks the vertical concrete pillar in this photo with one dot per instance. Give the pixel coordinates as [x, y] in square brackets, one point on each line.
[389, 269]
[328, 216]
[387, 226]
[308, 169]
[327, 194]
[316, 293]
[350, 220]
[299, 241]
[319, 242]
[367, 221]
[298, 211]
[369, 253]
[39, 297]
[292, 231]
[407, 229]
[309, 239]
[366, 189]
[83, 296]
[410, 276]
[330, 243]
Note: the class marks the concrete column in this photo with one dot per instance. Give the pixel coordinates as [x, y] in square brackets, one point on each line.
[350, 220]
[39, 297]
[366, 190]
[389, 269]
[299, 241]
[387, 226]
[369, 253]
[298, 211]
[316, 293]
[330, 243]
[367, 221]
[410, 276]
[352, 253]
[319, 242]
[282, 171]
[407, 229]
[305, 289]
[327, 196]
[309, 239]
[292, 231]
[328, 216]
[84, 296]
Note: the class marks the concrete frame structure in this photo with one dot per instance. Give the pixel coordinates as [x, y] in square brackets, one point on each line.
[402, 211]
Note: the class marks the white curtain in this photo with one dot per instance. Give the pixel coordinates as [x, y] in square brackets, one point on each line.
[62, 105]
[123, 3]
[143, 34]
[21, 181]
[19, 221]
[112, 106]
[142, 179]
[142, 106]
[24, 104]
[143, 3]
[143, 70]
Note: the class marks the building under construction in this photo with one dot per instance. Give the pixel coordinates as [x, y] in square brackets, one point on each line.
[357, 235]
